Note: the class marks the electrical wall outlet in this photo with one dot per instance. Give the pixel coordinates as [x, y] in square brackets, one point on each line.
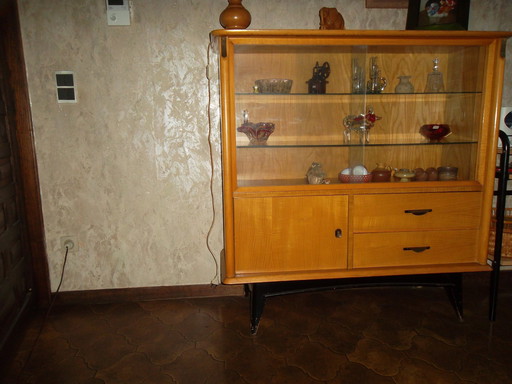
[70, 242]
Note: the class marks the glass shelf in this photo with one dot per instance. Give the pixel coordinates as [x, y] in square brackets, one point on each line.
[335, 183]
[339, 145]
[356, 94]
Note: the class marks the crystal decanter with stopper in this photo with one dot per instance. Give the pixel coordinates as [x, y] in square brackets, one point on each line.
[435, 79]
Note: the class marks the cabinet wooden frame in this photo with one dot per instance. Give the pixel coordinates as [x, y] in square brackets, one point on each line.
[386, 3]
[258, 180]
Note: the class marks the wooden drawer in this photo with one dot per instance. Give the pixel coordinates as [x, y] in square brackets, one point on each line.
[409, 212]
[414, 248]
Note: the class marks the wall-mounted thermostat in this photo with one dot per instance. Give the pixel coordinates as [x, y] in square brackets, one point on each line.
[118, 12]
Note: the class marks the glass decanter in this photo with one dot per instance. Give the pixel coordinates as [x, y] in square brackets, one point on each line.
[435, 79]
[376, 84]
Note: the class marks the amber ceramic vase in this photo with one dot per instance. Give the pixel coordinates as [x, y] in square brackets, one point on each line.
[235, 16]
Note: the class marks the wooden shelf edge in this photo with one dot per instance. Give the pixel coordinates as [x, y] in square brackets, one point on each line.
[361, 272]
[364, 34]
[358, 188]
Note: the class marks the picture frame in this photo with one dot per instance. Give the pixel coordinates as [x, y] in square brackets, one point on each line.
[438, 14]
[386, 3]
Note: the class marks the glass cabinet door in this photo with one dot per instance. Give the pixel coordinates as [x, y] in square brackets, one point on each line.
[352, 108]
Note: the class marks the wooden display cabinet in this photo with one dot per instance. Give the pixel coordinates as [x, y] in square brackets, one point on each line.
[278, 227]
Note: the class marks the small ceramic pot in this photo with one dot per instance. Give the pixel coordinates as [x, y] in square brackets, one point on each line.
[381, 173]
[404, 175]
[432, 174]
[447, 173]
[421, 174]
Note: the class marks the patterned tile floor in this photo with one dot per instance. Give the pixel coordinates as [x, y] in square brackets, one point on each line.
[378, 335]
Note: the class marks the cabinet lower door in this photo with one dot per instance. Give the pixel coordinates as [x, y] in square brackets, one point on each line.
[290, 234]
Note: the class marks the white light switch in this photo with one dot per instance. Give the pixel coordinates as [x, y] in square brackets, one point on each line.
[66, 87]
[118, 12]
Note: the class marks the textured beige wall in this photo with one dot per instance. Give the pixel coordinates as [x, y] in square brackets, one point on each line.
[127, 169]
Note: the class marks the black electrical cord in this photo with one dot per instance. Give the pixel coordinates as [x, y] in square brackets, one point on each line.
[45, 319]
[212, 169]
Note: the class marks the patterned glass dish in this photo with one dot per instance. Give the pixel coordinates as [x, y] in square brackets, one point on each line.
[258, 133]
[274, 85]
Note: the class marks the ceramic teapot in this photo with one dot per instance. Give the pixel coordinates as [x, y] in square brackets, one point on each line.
[381, 173]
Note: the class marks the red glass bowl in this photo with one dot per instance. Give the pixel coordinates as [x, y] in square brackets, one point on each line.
[435, 132]
[257, 133]
[355, 178]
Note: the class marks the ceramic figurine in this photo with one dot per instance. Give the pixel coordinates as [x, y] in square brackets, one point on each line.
[316, 174]
[330, 18]
[317, 84]
[360, 124]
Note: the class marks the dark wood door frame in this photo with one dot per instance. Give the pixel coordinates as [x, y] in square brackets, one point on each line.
[11, 42]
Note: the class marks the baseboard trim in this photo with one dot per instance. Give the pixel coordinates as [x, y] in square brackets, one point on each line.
[104, 296]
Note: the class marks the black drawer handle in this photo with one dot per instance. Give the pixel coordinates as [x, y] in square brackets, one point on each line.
[416, 249]
[338, 233]
[418, 212]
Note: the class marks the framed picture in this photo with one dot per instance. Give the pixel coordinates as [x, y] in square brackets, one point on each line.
[386, 3]
[438, 14]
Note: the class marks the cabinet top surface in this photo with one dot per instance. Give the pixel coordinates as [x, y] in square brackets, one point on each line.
[316, 33]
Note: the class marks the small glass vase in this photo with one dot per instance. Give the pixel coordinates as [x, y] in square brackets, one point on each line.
[404, 85]
[358, 79]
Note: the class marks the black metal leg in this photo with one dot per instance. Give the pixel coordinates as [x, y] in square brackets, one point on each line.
[454, 291]
[257, 297]
[493, 294]
[258, 292]
[503, 176]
